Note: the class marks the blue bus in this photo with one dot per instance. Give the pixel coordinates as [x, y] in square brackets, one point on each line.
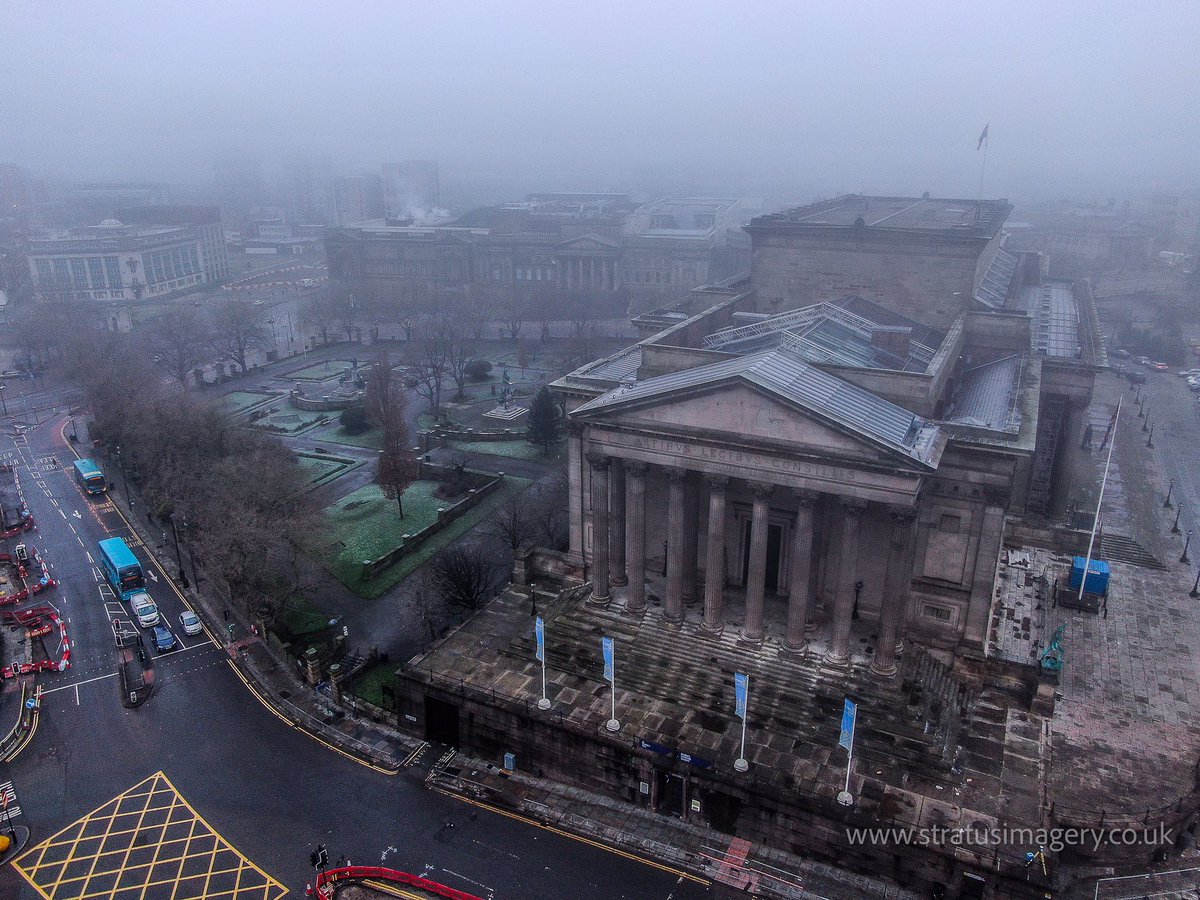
[89, 476]
[121, 567]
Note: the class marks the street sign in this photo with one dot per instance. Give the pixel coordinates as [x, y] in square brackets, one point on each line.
[8, 800]
[849, 715]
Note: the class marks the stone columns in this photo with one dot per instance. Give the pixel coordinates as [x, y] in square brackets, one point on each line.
[616, 538]
[674, 611]
[599, 463]
[714, 568]
[800, 570]
[691, 537]
[752, 630]
[575, 498]
[839, 646]
[635, 535]
[895, 590]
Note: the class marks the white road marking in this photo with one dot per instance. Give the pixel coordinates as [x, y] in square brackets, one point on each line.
[76, 514]
[78, 683]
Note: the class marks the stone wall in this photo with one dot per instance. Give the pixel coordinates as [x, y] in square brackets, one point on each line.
[321, 404]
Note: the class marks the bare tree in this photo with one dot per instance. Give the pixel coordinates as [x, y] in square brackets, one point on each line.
[514, 522]
[236, 330]
[386, 404]
[463, 575]
[431, 361]
[177, 340]
[320, 313]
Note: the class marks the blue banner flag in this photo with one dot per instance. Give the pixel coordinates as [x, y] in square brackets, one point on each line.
[607, 644]
[849, 714]
[539, 629]
[741, 689]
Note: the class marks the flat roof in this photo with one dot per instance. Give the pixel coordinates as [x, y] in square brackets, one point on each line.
[915, 214]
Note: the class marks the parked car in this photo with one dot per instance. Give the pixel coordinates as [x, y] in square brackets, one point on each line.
[1119, 354]
[1118, 369]
[1161, 367]
[1188, 373]
[1143, 361]
[163, 639]
[1136, 377]
[190, 622]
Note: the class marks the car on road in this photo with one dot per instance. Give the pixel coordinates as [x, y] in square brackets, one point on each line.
[1136, 377]
[1188, 373]
[144, 609]
[1143, 361]
[1119, 354]
[190, 622]
[1161, 367]
[163, 639]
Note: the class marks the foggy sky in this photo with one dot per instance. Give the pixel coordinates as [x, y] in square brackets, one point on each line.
[1087, 98]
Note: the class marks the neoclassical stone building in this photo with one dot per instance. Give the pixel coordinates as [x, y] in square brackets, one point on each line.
[800, 462]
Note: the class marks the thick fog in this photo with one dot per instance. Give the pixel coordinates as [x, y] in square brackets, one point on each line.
[761, 98]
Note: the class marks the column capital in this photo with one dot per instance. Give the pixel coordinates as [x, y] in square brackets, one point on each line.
[761, 489]
[853, 506]
[636, 468]
[804, 497]
[675, 474]
[598, 461]
[717, 482]
[902, 515]
[574, 429]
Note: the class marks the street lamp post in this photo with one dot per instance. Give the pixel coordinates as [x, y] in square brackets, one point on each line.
[124, 477]
[2, 401]
[1170, 490]
[1195, 591]
[1187, 542]
[183, 579]
[1150, 440]
[1175, 524]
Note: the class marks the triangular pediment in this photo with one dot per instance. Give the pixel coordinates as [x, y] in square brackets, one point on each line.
[738, 414]
[588, 243]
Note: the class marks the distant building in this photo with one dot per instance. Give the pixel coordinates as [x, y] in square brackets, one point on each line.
[410, 189]
[1085, 241]
[115, 261]
[312, 193]
[547, 250]
[357, 198]
[214, 257]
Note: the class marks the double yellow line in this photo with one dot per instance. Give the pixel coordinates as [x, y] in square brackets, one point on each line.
[553, 829]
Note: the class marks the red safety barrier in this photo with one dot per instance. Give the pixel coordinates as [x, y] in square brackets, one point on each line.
[326, 880]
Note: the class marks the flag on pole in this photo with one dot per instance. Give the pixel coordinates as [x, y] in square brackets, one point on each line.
[741, 691]
[849, 714]
[607, 645]
[1109, 430]
[983, 135]
[539, 629]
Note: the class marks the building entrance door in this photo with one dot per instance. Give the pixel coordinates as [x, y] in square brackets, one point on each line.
[670, 794]
[441, 722]
[774, 543]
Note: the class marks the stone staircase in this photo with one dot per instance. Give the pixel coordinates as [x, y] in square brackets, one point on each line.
[909, 722]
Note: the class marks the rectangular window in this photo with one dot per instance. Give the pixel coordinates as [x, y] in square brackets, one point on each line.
[96, 271]
[45, 271]
[950, 524]
[112, 266]
[79, 280]
[939, 613]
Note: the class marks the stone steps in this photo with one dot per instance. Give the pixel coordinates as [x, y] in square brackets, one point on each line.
[789, 695]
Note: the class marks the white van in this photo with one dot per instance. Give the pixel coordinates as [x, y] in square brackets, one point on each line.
[144, 609]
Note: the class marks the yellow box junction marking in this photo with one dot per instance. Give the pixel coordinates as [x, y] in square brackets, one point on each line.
[145, 844]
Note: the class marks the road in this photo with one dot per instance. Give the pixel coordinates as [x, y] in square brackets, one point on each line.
[267, 789]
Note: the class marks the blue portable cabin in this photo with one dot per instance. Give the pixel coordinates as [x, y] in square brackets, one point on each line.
[1098, 573]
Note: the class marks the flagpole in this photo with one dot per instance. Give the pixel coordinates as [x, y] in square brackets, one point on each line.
[982, 170]
[741, 764]
[1087, 562]
[610, 665]
[539, 628]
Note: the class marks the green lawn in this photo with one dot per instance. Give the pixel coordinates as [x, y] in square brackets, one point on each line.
[372, 438]
[368, 686]
[514, 449]
[366, 525]
[287, 419]
[244, 401]
[322, 469]
[322, 370]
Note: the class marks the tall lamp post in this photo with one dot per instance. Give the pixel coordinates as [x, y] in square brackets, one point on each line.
[183, 579]
[124, 478]
[2, 401]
